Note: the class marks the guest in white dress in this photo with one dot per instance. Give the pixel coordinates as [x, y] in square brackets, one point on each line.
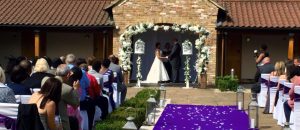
[158, 71]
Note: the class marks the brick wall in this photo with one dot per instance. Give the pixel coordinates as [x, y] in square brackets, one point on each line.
[197, 12]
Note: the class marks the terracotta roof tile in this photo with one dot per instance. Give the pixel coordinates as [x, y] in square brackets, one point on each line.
[261, 13]
[54, 13]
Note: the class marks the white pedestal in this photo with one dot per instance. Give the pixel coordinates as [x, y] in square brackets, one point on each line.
[138, 84]
[187, 85]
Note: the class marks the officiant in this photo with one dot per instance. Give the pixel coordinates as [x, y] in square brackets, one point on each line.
[166, 52]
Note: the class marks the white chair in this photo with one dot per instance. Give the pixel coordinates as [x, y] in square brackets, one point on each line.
[34, 90]
[9, 110]
[98, 113]
[24, 99]
[272, 90]
[84, 120]
[119, 98]
[284, 97]
[292, 121]
[279, 105]
[109, 105]
[115, 74]
[262, 96]
[295, 115]
[286, 89]
[105, 79]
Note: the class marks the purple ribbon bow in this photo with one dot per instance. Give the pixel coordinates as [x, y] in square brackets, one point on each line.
[281, 86]
[286, 89]
[272, 84]
[297, 97]
[8, 122]
[264, 81]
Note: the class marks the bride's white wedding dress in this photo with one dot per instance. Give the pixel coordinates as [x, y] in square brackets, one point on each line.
[158, 71]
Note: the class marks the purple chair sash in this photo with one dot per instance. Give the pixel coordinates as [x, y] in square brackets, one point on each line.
[281, 86]
[286, 89]
[297, 97]
[8, 122]
[272, 84]
[264, 81]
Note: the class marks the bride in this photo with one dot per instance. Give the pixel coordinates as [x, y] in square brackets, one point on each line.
[158, 71]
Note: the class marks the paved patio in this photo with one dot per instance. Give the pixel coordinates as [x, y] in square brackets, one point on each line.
[211, 97]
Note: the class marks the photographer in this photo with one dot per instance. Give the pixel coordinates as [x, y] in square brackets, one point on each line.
[259, 56]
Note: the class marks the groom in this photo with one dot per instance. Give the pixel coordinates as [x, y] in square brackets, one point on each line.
[175, 60]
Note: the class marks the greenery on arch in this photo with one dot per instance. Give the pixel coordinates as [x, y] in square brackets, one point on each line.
[203, 53]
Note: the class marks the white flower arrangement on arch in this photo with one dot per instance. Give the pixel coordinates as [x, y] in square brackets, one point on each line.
[203, 53]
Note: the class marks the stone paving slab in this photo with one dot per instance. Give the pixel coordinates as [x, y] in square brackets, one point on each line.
[211, 97]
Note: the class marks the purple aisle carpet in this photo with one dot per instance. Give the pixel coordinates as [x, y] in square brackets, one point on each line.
[200, 117]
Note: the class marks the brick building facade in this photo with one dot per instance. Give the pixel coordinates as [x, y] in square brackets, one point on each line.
[132, 12]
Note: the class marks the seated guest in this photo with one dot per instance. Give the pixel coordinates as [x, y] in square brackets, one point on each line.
[116, 68]
[69, 95]
[297, 61]
[106, 72]
[27, 66]
[89, 61]
[70, 60]
[101, 101]
[75, 76]
[94, 88]
[93, 91]
[56, 62]
[12, 62]
[85, 103]
[280, 72]
[6, 94]
[95, 72]
[40, 71]
[47, 100]
[289, 105]
[18, 75]
[279, 69]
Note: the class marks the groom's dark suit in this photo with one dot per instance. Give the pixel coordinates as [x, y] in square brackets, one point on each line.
[175, 61]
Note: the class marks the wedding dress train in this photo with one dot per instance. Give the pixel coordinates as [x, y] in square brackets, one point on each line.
[157, 72]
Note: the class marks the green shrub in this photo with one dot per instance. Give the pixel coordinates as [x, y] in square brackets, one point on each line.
[135, 103]
[226, 83]
[123, 112]
[145, 94]
[110, 124]
[134, 107]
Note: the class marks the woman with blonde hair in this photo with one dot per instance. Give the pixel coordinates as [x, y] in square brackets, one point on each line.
[39, 72]
[6, 94]
[279, 69]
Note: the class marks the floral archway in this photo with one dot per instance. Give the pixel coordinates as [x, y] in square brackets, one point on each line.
[203, 50]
